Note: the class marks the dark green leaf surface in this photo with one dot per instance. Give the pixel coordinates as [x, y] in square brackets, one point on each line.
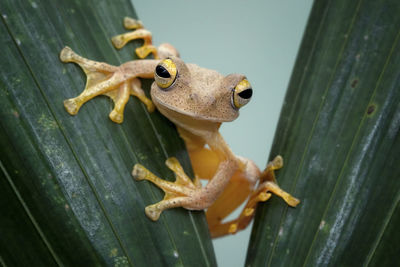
[67, 196]
[339, 137]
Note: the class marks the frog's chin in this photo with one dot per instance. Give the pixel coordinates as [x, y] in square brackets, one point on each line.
[191, 122]
[173, 113]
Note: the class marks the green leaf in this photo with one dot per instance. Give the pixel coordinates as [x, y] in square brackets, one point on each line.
[67, 195]
[339, 136]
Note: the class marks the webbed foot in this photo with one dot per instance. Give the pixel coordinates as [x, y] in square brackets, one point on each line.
[268, 182]
[104, 79]
[177, 194]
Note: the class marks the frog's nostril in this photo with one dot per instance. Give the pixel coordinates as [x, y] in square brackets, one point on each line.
[246, 94]
[162, 72]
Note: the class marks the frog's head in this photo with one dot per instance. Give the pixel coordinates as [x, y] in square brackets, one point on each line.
[202, 94]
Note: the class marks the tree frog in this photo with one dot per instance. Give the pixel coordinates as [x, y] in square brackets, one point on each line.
[197, 100]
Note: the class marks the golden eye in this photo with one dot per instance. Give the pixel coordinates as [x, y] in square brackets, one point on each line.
[165, 73]
[241, 94]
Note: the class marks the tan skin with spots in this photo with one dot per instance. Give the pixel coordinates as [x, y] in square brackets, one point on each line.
[197, 101]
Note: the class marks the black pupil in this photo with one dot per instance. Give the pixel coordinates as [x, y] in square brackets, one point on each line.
[246, 94]
[162, 72]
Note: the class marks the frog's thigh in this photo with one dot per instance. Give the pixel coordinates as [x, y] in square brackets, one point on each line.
[237, 191]
[242, 221]
[260, 194]
[205, 162]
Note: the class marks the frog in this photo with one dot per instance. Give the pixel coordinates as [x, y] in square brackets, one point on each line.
[197, 100]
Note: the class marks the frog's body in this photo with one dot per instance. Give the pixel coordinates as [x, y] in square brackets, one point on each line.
[197, 101]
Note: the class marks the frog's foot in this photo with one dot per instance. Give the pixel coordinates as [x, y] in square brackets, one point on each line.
[104, 79]
[268, 182]
[268, 174]
[177, 194]
[138, 32]
[263, 192]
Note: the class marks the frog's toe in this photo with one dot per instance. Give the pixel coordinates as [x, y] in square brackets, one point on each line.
[150, 106]
[291, 201]
[116, 116]
[278, 162]
[71, 106]
[118, 41]
[233, 228]
[131, 24]
[145, 50]
[139, 172]
[153, 212]
[66, 54]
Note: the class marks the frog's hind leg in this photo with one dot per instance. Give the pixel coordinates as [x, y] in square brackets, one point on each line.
[240, 223]
[205, 163]
[139, 32]
[262, 193]
[103, 79]
[232, 197]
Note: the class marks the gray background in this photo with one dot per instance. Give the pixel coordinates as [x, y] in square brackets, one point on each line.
[258, 38]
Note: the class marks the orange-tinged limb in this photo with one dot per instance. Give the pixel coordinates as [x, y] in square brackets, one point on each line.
[245, 217]
[236, 193]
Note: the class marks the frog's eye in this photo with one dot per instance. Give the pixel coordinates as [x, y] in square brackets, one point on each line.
[241, 94]
[165, 73]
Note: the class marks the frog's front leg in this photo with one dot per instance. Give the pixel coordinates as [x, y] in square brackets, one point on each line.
[118, 83]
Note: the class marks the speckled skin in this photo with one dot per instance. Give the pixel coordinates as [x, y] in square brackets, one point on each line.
[197, 101]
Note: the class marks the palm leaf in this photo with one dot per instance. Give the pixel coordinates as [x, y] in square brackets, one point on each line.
[67, 196]
[339, 136]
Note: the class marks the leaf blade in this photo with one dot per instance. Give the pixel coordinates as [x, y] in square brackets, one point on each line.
[117, 229]
[352, 43]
